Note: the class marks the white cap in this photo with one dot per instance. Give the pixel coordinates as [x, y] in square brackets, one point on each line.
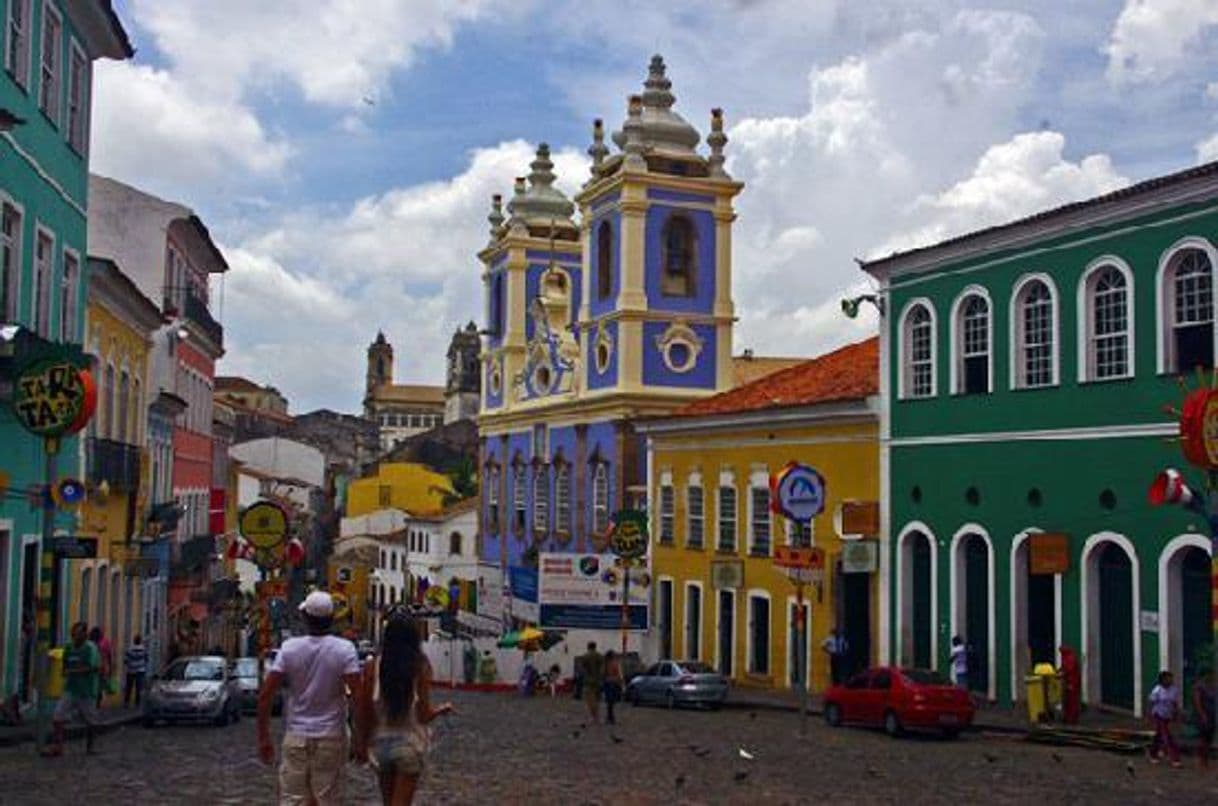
[318, 604]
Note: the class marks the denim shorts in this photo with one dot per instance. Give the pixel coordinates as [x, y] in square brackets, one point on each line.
[400, 753]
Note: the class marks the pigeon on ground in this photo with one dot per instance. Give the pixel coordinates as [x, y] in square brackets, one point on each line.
[991, 758]
[575, 734]
[1129, 768]
[700, 752]
[616, 739]
[745, 754]
[740, 776]
[680, 781]
[1057, 757]
[752, 714]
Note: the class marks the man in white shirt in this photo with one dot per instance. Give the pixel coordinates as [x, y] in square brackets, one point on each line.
[320, 671]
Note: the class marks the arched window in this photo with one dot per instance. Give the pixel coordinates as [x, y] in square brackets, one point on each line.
[108, 402]
[1035, 324]
[492, 498]
[972, 345]
[1187, 296]
[600, 499]
[103, 591]
[604, 260]
[918, 352]
[124, 405]
[562, 498]
[678, 260]
[518, 502]
[1107, 316]
[541, 500]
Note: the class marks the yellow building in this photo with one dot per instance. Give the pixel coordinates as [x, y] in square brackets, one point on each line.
[119, 323]
[406, 486]
[718, 596]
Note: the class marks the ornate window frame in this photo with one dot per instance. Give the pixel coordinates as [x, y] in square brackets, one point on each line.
[680, 335]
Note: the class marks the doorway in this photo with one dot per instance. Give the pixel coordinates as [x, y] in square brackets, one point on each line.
[29, 618]
[1115, 617]
[665, 617]
[973, 610]
[856, 620]
[920, 604]
[1195, 627]
[727, 631]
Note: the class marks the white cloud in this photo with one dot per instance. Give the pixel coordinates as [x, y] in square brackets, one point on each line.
[1207, 150]
[1152, 39]
[148, 124]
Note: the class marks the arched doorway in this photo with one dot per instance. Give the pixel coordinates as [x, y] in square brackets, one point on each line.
[973, 604]
[1110, 604]
[1184, 605]
[1035, 614]
[917, 604]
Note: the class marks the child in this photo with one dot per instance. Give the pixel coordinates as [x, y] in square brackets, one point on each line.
[1164, 709]
[959, 662]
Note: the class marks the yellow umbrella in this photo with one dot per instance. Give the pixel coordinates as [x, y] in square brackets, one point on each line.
[529, 634]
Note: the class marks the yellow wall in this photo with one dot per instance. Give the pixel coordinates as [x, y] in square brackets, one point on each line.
[848, 458]
[356, 591]
[410, 487]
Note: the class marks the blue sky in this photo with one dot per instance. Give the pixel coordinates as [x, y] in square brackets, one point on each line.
[344, 152]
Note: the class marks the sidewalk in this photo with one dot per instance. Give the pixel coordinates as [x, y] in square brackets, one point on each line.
[109, 718]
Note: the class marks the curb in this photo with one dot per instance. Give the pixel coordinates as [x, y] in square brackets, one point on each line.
[816, 710]
[11, 738]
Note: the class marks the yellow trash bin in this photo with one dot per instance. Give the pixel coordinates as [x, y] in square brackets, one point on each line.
[54, 686]
[1053, 686]
[1037, 697]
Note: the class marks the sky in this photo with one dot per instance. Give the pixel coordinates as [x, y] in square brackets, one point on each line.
[343, 152]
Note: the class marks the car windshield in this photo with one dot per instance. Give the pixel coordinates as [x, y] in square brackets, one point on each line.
[196, 669]
[246, 667]
[693, 667]
[924, 677]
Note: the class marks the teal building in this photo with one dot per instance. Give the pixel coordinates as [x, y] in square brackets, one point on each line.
[1025, 369]
[48, 48]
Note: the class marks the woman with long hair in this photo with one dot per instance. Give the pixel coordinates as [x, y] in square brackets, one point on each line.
[397, 688]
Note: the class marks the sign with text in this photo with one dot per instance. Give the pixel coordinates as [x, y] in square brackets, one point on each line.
[53, 398]
[861, 518]
[490, 592]
[797, 492]
[585, 591]
[628, 534]
[799, 557]
[72, 547]
[1048, 553]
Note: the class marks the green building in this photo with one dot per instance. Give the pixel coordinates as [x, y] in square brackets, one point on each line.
[1025, 370]
[48, 48]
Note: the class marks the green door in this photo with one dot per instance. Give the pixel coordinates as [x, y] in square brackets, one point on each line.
[920, 615]
[856, 620]
[977, 612]
[1116, 631]
[1195, 611]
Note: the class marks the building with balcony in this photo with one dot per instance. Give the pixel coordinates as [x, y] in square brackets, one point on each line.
[48, 48]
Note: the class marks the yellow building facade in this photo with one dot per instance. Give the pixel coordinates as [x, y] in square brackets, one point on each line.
[106, 591]
[719, 598]
[407, 486]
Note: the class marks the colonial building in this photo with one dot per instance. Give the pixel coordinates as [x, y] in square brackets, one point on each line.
[718, 596]
[257, 411]
[399, 410]
[463, 380]
[1025, 370]
[593, 324]
[169, 253]
[46, 90]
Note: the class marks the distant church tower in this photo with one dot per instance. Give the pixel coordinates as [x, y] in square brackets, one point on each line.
[380, 370]
[463, 384]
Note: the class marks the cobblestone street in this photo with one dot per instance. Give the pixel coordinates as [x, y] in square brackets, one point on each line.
[500, 749]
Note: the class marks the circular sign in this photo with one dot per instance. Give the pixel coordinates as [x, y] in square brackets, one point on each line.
[49, 397]
[628, 534]
[1199, 428]
[263, 524]
[798, 492]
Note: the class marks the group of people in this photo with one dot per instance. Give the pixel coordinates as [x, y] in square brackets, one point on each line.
[1166, 709]
[599, 676]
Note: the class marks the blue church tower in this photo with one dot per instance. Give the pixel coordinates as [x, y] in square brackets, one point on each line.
[593, 322]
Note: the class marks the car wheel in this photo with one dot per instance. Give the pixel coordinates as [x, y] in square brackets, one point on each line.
[833, 714]
[670, 700]
[951, 733]
[892, 725]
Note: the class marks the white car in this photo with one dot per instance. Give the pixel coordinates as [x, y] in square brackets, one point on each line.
[199, 687]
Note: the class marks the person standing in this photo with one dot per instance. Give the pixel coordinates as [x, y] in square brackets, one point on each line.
[396, 707]
[135, 663]
[1204, 692]
[593, 664]
[81, 669]
[1164, 709]
[318, 670]
[102, 643]
[959, 660]
[614, 683]
[837, 647]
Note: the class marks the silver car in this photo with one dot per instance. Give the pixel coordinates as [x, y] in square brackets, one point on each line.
[199, 687]
[246, 672]
[673, 683]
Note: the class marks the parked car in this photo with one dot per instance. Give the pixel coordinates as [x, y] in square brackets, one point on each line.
[899, 699]
[198, 687]
[246, 672]
[674, 683]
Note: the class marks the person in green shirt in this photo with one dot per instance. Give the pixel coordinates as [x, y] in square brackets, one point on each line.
[81, 670]
[593, 664]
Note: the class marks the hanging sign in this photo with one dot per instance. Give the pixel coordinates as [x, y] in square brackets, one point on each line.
[53, 398]
[727, 574]
[796, 557]
[797, 492]
[860, 557]
[1048, 553]
[860, 518]
[628, 534]
[263, 524]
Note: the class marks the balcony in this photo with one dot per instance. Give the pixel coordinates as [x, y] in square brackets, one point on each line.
[196, 311]
[116, 463]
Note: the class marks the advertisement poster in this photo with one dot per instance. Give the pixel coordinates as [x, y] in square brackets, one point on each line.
[584, 591]
[522, 582]
[490, 592]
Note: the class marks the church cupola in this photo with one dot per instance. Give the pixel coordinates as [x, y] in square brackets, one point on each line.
[539, 205]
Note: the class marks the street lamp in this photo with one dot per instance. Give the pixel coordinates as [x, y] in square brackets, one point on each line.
[850, 305]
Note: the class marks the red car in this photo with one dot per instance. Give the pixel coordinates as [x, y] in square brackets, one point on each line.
[899, 699]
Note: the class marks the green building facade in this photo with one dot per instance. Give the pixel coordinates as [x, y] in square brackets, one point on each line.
[47, 48]
[1026, 369]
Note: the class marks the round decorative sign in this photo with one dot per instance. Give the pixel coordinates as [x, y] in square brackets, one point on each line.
[264, 525]
[628, 534]
[1199, 428]
[50, 397]
[797, 492]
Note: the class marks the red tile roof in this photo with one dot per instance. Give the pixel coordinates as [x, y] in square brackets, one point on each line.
[849, 373]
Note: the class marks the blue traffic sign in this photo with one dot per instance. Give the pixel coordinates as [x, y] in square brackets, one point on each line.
[798, 492]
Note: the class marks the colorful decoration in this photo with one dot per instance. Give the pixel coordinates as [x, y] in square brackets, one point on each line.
[628, 534]
[53, 398]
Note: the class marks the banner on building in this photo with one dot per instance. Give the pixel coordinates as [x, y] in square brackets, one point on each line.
[584, 591]
[490, 592]
[522, 583]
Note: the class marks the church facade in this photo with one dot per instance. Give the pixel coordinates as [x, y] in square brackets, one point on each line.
[595, 321]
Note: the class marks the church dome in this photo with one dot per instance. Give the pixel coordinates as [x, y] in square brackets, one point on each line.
[540, 202]
[663, 130]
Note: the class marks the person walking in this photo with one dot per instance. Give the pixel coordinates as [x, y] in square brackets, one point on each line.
[614, 683]
[837, 647]
[81, 669]
[959, 659]
[102, 643]
[135, 663]
[318, 670]
[593, 665]
[1204, 692]
[397, 709]
[577, 677]
[1164, 709]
